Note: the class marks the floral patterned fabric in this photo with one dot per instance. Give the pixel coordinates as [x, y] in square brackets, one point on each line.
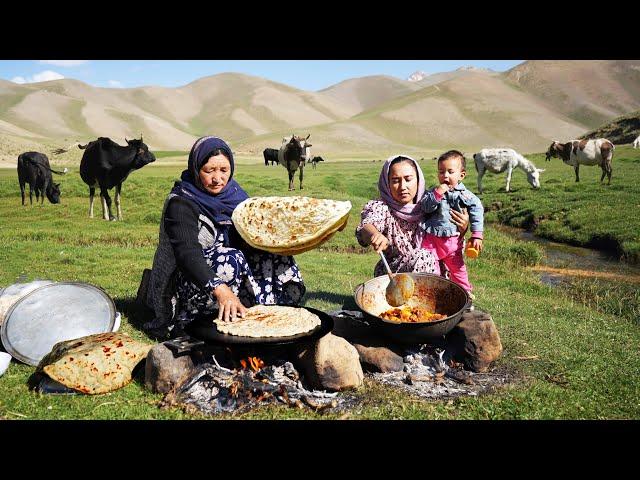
[404, 253]
[257, 278]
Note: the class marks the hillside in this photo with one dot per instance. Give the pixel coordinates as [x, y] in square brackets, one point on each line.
[363, 93]
[588, 91]
[233, 106]
[468, 112]
[624, 129]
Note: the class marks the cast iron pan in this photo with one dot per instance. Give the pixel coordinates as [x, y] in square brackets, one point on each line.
[205, 329]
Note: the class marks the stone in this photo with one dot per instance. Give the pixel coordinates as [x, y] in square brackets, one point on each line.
[475, 341]
[331, 363]
[383, 359]
[163, 371]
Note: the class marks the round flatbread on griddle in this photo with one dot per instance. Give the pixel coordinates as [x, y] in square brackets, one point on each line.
[270, 321]
[289, 225]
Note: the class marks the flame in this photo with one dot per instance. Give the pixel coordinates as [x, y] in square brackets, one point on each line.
[255, 363]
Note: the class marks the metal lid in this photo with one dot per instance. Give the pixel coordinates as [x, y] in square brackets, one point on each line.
[54, 313]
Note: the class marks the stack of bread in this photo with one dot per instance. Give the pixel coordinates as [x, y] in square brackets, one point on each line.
[289, 225]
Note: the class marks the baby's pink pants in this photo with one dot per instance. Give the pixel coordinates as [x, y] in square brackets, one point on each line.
[449, 250]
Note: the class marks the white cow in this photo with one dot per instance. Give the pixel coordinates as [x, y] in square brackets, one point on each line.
[636, 142]
[497, 160]
[598, 151]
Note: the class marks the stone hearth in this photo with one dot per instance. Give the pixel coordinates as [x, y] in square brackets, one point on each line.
[318, 375]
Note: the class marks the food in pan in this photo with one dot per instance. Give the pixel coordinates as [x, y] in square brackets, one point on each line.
[407, 314]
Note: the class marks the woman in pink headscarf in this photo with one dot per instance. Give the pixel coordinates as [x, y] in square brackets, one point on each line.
[391, 223]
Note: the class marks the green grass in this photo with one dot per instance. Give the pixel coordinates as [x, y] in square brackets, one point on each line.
[584, 340]
[170, 153]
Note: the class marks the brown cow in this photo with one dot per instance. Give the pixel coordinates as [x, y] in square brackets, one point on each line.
[597, 151]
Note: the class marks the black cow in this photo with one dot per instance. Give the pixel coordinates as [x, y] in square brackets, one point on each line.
[315, 160]
[270, 155]
[107, 164]
[34, 169]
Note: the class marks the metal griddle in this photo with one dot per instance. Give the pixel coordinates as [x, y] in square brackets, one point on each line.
[206, 330]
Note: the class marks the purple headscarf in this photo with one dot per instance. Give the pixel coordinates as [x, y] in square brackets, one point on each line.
[411, 211]
[218, 207]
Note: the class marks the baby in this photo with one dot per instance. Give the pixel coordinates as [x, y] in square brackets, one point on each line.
[441, 235]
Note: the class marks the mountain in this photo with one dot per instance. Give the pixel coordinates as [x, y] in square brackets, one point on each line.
[590, 92]
[468, 112]
[232, 105]
[366, 92]
[444, 76]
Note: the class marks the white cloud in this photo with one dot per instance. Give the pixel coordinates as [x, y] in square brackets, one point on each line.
[115, 84]
[46, 76]
[39, 77]
[64, 63]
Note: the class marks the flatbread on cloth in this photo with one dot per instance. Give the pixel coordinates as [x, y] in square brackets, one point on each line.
[289, 225]
[271, 321]
[96, 363]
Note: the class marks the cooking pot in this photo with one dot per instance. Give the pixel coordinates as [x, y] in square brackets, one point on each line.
[432, 292]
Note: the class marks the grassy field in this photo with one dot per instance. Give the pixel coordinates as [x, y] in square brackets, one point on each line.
[583, 361]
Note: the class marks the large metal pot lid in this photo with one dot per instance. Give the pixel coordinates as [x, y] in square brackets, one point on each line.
[54, 313]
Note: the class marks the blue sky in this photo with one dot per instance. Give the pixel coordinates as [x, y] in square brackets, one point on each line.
[310, 75]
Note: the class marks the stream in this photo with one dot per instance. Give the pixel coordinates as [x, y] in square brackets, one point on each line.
[562, 262]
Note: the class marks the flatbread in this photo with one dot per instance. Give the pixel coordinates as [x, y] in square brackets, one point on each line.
[271, 321]
[96, 363]
[289, 225]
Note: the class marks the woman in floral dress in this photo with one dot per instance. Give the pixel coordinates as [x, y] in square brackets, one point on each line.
[391, 223]
[202, 267]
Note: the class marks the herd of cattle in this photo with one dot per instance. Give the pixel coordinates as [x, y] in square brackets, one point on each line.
[105, 164]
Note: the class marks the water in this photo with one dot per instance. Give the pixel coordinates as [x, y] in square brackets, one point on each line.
[562, 261]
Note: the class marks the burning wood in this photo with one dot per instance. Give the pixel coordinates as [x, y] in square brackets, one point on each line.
[214, 389]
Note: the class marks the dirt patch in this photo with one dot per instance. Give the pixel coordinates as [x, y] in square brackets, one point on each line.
[594, 274]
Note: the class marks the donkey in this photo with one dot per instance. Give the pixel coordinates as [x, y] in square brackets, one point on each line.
[292, 156]
[497, 160]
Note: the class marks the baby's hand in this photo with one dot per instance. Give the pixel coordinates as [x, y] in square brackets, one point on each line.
[443, 188]
[476, 243]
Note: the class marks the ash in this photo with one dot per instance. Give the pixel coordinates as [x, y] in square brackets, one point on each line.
[428, 374]
[214, 389]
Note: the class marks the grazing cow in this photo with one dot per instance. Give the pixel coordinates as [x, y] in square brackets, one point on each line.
[292, 156]
[598, 151]
[636, 142]
[315, 160]
[497, 160]
[270, 155]
[107, 164]
[34, 169]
